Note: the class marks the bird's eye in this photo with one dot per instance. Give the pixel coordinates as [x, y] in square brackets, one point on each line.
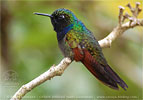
[61, 17]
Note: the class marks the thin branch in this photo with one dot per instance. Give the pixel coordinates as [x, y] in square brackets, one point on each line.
[106, 42]
[121, 9]
[52, 72]
[122, 27]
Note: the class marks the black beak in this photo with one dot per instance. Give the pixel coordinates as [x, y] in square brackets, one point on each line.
[43, 14]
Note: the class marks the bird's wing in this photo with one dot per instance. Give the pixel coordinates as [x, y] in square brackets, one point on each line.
[87, 50]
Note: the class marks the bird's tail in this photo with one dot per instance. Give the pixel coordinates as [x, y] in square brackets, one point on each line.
[103, 73]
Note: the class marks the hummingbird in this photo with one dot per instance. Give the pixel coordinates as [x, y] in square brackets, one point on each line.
[79, 44]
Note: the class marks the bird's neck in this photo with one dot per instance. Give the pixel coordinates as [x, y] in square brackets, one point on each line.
[77, 25]
[64, 31]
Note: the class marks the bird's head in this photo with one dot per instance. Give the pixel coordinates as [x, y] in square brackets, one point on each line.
[61, 18]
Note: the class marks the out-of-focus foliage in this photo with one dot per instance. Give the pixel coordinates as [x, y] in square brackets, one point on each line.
[33, 49]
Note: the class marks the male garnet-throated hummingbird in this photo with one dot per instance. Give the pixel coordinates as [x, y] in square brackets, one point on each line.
[78, 43]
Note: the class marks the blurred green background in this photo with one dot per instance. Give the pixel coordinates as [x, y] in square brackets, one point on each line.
[29, 47]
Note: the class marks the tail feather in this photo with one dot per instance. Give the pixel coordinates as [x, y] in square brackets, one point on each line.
[102, 77]
[113, 75]
[103, 72]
